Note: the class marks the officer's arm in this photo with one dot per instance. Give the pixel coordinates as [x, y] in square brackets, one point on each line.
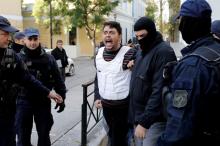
[154, 104]
[23, 77]
[59, 85]
[190, 83]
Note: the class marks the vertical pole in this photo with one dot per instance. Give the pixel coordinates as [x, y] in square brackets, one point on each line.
[51, 30]
[84, 118]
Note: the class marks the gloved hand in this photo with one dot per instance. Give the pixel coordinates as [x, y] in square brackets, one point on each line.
[61, 107]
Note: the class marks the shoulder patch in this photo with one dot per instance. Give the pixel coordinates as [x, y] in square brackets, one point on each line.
[180, 98]
[191, 60]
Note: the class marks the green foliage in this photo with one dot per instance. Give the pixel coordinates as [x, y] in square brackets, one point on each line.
[151, 10]
[41, 12]
[75, 13]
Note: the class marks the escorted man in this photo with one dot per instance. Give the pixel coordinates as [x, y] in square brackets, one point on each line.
[18, 43]
[13, 70]
[112, 82]
[59, 54]
[43, 66]
[145, 111]
[215, 29]
[195, 82]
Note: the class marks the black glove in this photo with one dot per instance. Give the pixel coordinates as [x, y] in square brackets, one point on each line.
[61, 107]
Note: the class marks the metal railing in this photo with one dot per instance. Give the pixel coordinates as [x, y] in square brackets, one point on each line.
[93, 112]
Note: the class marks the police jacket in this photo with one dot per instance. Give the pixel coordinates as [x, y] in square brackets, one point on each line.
[194, 105]
[60, 55]
[147, 82]
[13, 70]
[17, 47]
[44, 68]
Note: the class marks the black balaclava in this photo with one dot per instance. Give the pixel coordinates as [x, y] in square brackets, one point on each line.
[149, 25]
[194, 28]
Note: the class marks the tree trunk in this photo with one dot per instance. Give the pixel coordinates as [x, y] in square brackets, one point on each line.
[161, 16]
[174, 6]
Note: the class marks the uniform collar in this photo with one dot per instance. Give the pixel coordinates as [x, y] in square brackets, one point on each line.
[195, 44]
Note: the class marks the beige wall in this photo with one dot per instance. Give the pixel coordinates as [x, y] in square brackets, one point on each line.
[11, 9]
[85, 44]
[86, 48]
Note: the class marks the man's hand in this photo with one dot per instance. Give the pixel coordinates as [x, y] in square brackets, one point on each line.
[98, 104]
[140, 132]
[56, 97]
[130, 64]
[61, 107]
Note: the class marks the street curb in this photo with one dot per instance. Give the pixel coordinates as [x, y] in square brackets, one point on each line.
[97, 137]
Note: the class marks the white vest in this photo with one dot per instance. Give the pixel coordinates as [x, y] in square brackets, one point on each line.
[113, 81]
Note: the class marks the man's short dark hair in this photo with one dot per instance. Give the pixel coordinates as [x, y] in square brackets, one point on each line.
[59, 41]
[113, 24]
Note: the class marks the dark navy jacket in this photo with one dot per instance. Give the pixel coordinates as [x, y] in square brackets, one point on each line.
[19, 74]
[147, 82]
[44, 68]
[193, 117]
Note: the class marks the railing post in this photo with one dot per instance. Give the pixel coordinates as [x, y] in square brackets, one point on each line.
[84, 118]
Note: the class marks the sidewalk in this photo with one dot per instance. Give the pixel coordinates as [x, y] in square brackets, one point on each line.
[66, 130]
[97, 137]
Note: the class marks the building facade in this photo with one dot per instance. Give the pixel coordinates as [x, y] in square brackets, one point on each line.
[126, 14]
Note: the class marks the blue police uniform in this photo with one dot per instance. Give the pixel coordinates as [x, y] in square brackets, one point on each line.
[192, 118]
[13, 72]
[31, 104]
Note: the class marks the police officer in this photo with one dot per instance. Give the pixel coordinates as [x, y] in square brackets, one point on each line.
[195, 88]
[18, 41]
[13, 70]
[216, 30]
[43, 66]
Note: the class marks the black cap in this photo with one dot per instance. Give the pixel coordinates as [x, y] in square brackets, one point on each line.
[5, 25]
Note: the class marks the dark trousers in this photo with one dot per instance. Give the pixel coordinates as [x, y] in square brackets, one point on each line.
[7, 129]
[24, 122]
[117, 119]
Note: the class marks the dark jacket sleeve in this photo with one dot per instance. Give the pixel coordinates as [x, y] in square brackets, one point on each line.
[153, 108]
[54, 53]
[59, 85]
[96, 87]
[23, 77]
[96, 90]
[66, 58]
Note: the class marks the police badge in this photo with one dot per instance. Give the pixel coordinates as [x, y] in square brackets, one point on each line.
[180, 98]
